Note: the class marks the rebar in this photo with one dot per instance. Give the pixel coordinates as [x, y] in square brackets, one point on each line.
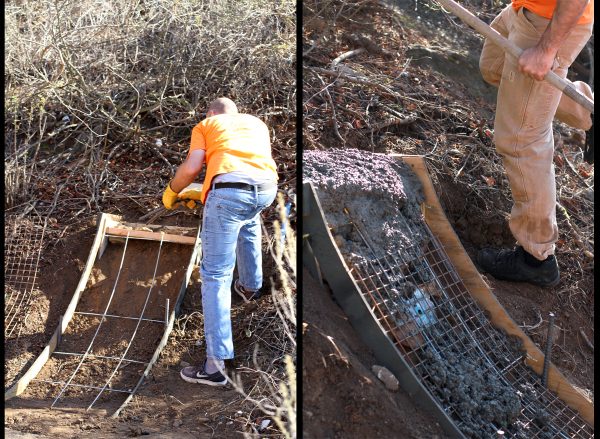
[89, 348]
[548, 351]
[102, 357]
[152, 283]
[84, 386]
[96, 314]
[23, 242]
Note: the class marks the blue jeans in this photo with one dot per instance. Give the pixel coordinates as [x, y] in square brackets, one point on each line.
[230, 228]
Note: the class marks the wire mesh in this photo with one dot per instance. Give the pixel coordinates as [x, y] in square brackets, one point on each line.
[23, 241]
[83, 358]
[475, 372]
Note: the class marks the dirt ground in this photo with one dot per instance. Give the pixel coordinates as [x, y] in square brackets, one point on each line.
[164, 404]
[415, 89]
[342, 397]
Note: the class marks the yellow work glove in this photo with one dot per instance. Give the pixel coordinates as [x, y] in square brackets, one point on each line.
[190, 194]
[169, 197]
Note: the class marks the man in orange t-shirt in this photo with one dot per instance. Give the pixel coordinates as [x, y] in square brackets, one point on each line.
[551, 34]
[240, 182]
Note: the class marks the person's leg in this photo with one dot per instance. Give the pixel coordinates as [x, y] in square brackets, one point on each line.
[573, 114]
[491, 65]
[524, 138]
[249, 253]
[491, 60]
[222, 219]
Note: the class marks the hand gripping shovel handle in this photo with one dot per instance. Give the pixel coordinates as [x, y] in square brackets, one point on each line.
[468, 18]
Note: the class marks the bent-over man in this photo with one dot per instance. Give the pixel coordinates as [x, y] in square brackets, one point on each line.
[241, 181]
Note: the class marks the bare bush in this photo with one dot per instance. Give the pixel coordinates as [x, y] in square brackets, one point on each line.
[89, 81]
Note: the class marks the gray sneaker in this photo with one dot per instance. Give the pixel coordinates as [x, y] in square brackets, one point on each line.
[197, 375]
[245, 294]
[511, 265]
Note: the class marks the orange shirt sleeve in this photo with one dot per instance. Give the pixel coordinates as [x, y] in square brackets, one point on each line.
[198, 139]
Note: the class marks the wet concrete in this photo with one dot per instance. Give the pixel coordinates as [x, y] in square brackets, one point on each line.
[380, 195]
[464, 380]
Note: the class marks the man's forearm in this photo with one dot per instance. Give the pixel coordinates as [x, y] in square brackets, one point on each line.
[183, 177]
[565, 18]
[188, 171]
[537, 61]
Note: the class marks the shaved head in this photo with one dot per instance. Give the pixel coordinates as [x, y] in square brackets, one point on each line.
[222, 106]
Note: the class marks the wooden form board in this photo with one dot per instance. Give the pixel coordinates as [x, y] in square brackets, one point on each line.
[153, 236]
[481, 293]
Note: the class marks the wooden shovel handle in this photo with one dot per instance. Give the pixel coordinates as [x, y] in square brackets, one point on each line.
[468, 18]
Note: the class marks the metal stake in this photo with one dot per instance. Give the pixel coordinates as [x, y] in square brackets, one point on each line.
[548, 349]
[167, 313]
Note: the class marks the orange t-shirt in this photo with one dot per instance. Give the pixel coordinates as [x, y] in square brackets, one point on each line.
[545, 8]
[233, 142]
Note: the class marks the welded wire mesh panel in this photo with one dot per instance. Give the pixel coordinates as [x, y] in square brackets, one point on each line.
[107, 360]
[476, 372]
[23, 240]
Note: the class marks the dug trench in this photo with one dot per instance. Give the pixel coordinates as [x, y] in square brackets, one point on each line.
[164, 404]
[380, 197]
[122, 283]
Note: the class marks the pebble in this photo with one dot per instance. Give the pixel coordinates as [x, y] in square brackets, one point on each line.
[387, 377]
[177, 423]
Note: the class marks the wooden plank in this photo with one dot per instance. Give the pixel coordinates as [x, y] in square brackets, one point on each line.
[20, 386]
[153, 236]
[481, 293]
[176, 230]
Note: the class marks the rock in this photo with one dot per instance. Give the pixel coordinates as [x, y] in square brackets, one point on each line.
[177, 423]
[339, 241]
[387, 377]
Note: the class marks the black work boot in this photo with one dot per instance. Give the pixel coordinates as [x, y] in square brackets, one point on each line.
[519, 266]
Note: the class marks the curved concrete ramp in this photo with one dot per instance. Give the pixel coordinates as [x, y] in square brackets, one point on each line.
[431, 319]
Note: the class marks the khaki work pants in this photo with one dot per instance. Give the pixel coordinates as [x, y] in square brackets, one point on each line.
[523, 124]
